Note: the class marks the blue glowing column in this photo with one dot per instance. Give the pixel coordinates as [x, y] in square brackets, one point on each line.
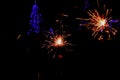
[35, 20]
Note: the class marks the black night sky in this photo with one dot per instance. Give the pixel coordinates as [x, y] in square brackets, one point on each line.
[90, 58]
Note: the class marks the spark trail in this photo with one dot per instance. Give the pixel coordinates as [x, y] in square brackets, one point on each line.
[56, 40]
[100, 24]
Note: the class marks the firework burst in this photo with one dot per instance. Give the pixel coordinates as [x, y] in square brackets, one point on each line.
[100, 24]
[56, 40]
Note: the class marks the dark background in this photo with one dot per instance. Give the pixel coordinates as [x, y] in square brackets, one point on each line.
[91, 59]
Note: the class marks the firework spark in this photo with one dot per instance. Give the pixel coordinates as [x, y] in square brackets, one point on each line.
[18, 37]
[59, 41]
[56, 40]
[100, 24]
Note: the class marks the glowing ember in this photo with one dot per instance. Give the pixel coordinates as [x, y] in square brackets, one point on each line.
[59, 41]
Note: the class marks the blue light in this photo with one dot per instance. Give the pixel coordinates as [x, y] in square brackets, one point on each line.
[51, 32]
[35, 20]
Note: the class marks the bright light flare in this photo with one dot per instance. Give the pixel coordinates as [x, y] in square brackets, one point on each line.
[55, 40]
[100, 24]
[59, 41]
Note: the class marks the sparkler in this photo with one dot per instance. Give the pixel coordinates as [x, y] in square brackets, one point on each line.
[100, 24]
[56, 40]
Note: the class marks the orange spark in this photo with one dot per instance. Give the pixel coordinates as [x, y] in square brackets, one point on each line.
[99, 23]
[56, 41]
[59, 41]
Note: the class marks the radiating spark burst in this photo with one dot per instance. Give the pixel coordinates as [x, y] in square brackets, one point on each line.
[56, 40]
[100, 24]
